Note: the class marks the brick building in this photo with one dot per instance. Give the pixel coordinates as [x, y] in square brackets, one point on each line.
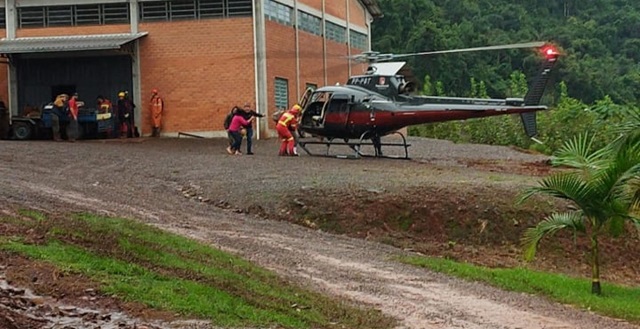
[203, 55]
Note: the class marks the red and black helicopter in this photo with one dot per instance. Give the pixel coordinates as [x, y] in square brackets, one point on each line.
[381, 101]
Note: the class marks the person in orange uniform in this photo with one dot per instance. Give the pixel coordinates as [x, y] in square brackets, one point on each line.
[156, 107]
[287, 124]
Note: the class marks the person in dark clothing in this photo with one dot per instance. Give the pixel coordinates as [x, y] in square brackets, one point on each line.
[247, 113]
[132, 121]
[60, 117]
[125, 116]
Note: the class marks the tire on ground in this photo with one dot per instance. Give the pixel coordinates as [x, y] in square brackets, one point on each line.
[22, 130]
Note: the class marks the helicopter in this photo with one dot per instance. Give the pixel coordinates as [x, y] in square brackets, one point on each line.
[381, 101]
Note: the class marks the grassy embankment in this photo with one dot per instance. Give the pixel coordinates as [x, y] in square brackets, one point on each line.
[617, 301]
[142, 264]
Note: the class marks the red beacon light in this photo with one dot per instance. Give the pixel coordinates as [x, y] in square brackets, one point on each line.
[550, 52]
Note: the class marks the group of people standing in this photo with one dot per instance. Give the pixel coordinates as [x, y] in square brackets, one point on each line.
[65, 111]
[123, 114]
[239, 124]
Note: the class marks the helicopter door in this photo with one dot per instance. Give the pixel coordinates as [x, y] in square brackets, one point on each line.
[337, 112]
[305, 97]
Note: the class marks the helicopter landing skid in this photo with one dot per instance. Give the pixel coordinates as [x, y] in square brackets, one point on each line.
[355, 146]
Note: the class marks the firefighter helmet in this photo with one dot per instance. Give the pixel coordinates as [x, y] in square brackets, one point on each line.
[121, 94]
[296, 109]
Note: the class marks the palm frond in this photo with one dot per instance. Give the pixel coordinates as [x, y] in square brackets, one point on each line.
[570, 186]
[549, 226]
[577, 153]
[626, 186]
[631, 125]
[622, 175]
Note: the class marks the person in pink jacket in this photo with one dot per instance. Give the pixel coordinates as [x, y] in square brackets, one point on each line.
[234, 130]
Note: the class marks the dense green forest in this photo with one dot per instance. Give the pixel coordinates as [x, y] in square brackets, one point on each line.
[597, 80]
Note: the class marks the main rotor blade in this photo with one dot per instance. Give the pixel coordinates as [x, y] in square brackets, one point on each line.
[535, 44]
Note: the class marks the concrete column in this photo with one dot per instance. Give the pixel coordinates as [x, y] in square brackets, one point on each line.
[12, 75]
[136, 92]
[369, 19]
[260, 60]
[135, 85]
[297, 29]
[348, 26]
[133, 15]
[324, 42]
[11, 14]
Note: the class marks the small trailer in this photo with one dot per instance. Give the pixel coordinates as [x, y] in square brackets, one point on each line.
[91, 124]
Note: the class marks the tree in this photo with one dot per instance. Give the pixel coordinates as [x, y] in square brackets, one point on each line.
[604, 187]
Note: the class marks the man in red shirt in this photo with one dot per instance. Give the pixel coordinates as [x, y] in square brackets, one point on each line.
[72, 128]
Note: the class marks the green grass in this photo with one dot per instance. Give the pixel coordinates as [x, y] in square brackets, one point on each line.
[616, 301]
[143, 264]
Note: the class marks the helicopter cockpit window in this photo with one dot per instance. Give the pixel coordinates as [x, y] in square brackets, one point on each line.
[314, 112]
[320, 97]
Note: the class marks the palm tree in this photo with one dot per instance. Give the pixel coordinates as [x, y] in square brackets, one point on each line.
[604, 187]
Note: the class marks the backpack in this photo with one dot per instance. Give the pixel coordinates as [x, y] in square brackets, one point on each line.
[277, 114]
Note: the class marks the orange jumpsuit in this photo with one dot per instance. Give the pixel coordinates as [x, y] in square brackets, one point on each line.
[156, 106]
[287, 123]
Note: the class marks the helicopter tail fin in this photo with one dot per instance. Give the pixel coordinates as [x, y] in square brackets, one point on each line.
[529, 123]
[534, 95]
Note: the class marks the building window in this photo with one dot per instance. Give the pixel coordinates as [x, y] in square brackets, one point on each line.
[115, 13]
[336, 32]
[211, 8]
[3, 20]
[282, 93]
[183, 10]
[154, 11]
[240, 8]
[60, 16]
[278, 12]
[358, 40]
[88, 15]
[32, 16]
[169, 10]
[309, 23]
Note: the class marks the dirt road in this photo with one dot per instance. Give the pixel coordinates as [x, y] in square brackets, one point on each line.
[184, 186]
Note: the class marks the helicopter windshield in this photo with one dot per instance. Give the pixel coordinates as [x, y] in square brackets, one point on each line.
[320, 96]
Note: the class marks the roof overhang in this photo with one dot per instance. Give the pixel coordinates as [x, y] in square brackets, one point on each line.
[30, 45]
[373, 8]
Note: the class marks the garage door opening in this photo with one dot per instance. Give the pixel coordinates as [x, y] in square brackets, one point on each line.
[40, 80]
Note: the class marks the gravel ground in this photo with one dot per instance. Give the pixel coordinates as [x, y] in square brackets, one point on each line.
[183, 185]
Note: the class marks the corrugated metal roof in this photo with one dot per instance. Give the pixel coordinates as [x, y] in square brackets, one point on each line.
[67, 43]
